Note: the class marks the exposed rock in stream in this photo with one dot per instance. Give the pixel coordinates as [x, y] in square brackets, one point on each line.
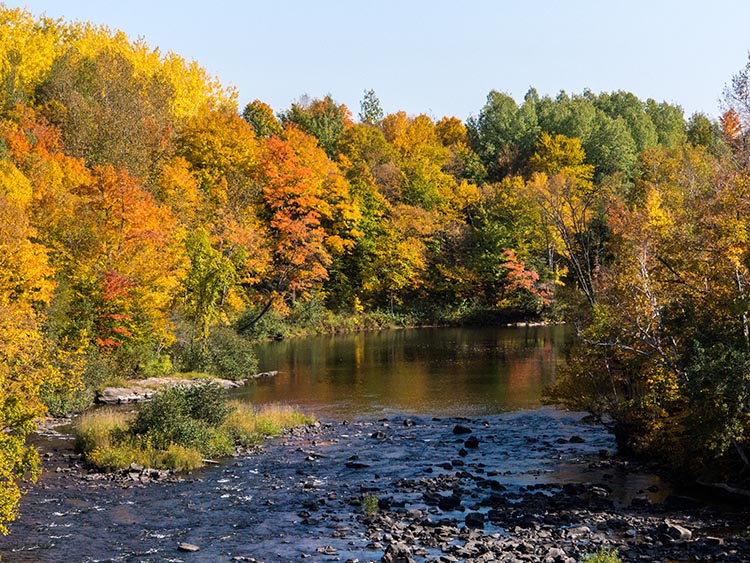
[143, 389]
[519, 497]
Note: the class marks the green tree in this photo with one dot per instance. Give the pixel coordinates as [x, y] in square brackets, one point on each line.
[261, 119]
[323, 119]
[503, 134]
[669, 122]
[370, 111]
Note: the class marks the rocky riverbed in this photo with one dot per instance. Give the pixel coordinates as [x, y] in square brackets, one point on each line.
[537, 486]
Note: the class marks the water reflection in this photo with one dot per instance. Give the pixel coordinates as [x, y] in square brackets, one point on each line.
[442, 372]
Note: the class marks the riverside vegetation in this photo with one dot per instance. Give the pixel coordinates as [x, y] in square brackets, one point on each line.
[178, 429]
[147, 226]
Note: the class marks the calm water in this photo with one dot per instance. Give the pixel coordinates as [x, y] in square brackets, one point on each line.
[441, 371]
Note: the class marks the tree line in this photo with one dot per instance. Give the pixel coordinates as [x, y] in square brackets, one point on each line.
[148, 225]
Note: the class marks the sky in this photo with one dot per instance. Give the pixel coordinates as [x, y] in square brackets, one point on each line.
[441, 57]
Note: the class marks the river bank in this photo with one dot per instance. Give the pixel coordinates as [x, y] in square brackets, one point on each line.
[534, 486]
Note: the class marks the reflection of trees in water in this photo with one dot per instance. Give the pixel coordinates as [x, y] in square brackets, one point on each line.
[421, 371]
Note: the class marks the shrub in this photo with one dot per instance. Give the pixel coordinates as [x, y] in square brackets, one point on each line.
[602, 555]
[370, 503]
[179, 406]
[120, 456]
[61, 401]
[180, 458]
[230, 355]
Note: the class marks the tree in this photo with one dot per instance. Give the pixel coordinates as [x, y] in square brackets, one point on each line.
[309, 214]
[25, 289]
[323, 119]
[610, 146]
[400, 257]
[570, 206]
[370, 112]
[261, 119]
[503, 135]
[666, 353]
[107, 112]
[669, 123]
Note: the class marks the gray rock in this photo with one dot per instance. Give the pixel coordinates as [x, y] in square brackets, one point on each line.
[188, 547]
[397, 552]
[675, 531]
[555, 555]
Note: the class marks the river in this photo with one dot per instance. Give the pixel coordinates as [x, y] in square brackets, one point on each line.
[389, 403]
[436, 371]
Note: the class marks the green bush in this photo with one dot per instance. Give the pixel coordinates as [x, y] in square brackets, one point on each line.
[187, 416]
[224, 353]
[370, 503]
[61, 401]
[602, 555]
[230, 355]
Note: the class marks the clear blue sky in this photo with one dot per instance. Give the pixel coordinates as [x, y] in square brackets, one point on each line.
[441, 57]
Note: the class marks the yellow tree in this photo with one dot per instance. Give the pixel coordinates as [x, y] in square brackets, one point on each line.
[25, 289]
[570, 205]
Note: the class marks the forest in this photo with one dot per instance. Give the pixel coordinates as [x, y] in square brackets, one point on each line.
[149, 225]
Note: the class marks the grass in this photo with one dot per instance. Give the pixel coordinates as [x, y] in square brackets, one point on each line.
[111, 440]
[100, 429]
[602, 555]
[250, 426]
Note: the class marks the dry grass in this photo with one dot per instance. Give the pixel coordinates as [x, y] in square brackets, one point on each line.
[249, 426]
[100, 429]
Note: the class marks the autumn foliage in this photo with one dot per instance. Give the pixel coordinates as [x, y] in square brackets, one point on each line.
[145, 223]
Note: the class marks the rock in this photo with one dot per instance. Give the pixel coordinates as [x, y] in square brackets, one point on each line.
[577, 532]
[409, 422]
[188, 547]
[461, 429]
[577, 440]
[640, 502]
[378, 435]
[397, 552]
[474, 520]
[675, 531]
[462, 452]
[264, 374]
[356, 465]
[555, 555]
[451, 502]
[472, 442]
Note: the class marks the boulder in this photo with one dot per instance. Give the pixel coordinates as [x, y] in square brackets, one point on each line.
[450, 502]
[461, 429]
[474, 520]
[675, 531]
[397, 552]
[472, 442]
